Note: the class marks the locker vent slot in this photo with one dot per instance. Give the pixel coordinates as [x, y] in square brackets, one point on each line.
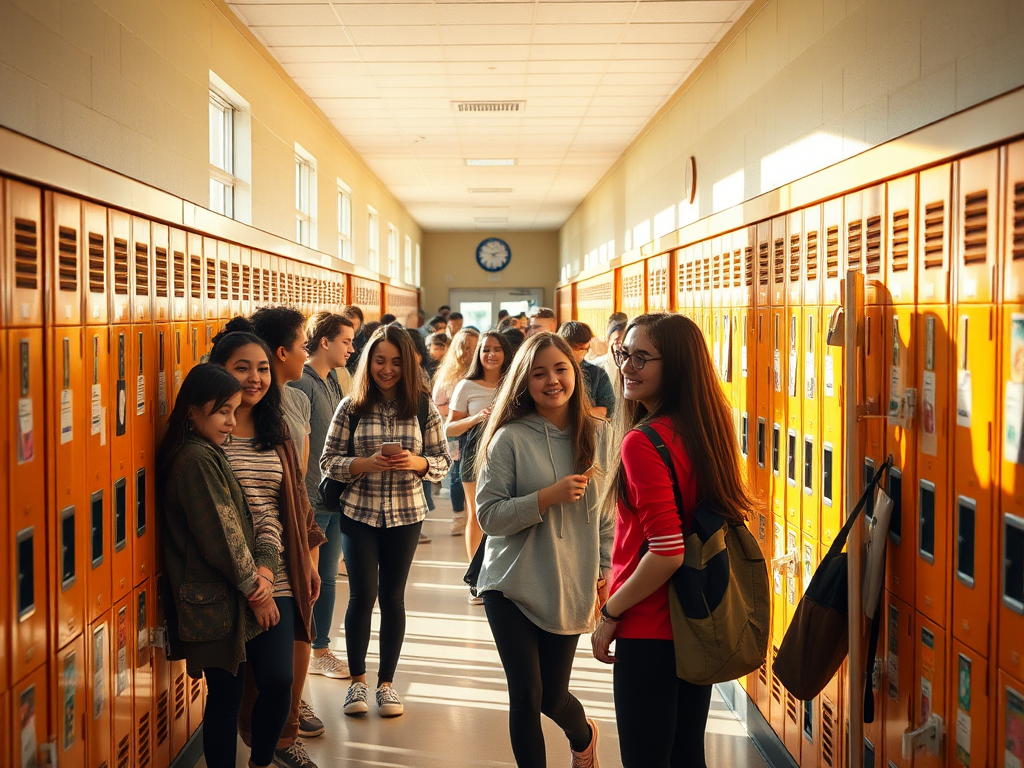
[97, 271]
[792, 708]
[142, 270]
[96, 518]
[812, 255]
[874, 251]
[162, 719]
[934, 234]
[808, 725]
[195, 277]
[762, 263]
[832, 252]
[197, 690]
[901, 241]
[895, 492]
[828, 733]
[779, 261]
[26, 254]
[124, 752]
[67, 548]
[143, 758]
[179, 274]
[966, 509]
[120, 515]
[267, 286]
[120, 266]
[234, 282]
[161, 272]
[854, 244]
[748, 266]
[707, 274]
[140, 503]
[1013, 563]
[976, 227]
[224, 284]
[927, 529]
[762, 675]
[211, 279]
[246, 282]
[180, 696]
[794, 258]
[776, 687]
[26, 573]
[67, 258]
[1018, 221]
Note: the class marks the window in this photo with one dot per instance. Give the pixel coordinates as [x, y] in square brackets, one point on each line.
[305, 197]
[372, 240]
[230, 152]
[392, 250]
[345, 223]
[408, 260]
[416, 267]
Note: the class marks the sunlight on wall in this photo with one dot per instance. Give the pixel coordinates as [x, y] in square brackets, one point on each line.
[665, 222]
[727, 192]
[809, 154]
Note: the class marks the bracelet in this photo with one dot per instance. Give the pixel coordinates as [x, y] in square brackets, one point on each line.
[608, 616]
[266, 579]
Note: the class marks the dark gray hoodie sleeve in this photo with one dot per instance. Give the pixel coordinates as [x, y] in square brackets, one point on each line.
[500, 512]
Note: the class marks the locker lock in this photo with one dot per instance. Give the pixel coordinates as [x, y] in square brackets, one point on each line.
[787, 562]
[929, 736]
[836, 335]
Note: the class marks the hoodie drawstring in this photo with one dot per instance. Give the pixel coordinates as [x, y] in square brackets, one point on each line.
[554, 469]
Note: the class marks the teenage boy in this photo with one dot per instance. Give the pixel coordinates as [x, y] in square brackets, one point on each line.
[599, 386]
[542, 319]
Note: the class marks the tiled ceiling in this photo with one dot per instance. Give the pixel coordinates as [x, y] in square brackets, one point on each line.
[590, 75]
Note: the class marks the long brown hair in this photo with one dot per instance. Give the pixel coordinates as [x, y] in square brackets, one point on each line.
[692, 398]
[457, 360]
[364, 390]
[513, 402]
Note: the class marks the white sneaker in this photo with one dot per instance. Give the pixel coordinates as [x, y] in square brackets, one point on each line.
[329, 665]
[388, 703]
[355, 699]
[475, 599]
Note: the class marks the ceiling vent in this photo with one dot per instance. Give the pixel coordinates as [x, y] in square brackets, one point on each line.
[488, 106]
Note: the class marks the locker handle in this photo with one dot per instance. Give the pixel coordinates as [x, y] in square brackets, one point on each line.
[928, 737]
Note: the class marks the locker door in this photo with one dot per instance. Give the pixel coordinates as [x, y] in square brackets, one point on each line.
[779, 276]
[211, 280]
[6, 545]
[809, 386]
[794, 418]
[973, 478]
[142, 661]
[931, 688]
[1011, 519]
[5, 717]
[779, 439]
[122, 654]
[831, 751]
[794, 714]
[224, 305]
[1009, 721]
[969, 699]
[831, 388]
[978, 233]
[780, 584]
[902, 445]
[180, 276]
[162, 696]
[97, 473]
[179, 706]
[809, 722]
[143, 407]
[196, 285]
[69, 705]
[634, 293]
[120, 482]
[64, 249]
[897, 654]
[235, 271]
[163, 272]
[119, 280]
[762, 429]
[29, 719]
[99, 693]
[163, 348]
[245, 268]
[141, 273]
[94, 276]
[21, 256]
[196, 702]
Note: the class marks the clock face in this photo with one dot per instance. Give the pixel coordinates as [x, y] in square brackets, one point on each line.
[493, 254]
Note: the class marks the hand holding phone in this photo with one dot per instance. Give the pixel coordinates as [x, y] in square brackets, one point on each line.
[391, 448]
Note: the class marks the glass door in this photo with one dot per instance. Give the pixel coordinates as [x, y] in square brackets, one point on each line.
[480, 308]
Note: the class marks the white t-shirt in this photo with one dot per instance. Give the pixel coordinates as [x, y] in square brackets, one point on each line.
[471, 397]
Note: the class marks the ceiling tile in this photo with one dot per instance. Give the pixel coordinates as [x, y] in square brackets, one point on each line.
[384, 14]
[719, 11]
[490, 14]
[479, 34]
[396, 36]
[584, 13]
[337, 53]
[428, 53]
[659, 51]
[577, 34]
[277, 36]
[292, 15]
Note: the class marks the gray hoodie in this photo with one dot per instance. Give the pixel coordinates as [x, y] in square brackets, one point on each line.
[547, 564]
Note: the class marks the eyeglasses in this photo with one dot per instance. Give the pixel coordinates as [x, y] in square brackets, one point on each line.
[636, 360]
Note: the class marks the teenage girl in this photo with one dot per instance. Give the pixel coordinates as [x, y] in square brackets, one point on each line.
[669, 382]
[382, 504]
[264, 459]
[453, 369]
[468, 410]
[548, 545]
[223, 610]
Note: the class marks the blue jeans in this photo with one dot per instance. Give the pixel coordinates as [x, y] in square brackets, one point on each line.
[330, 557]
[457, 492]
[428, 494]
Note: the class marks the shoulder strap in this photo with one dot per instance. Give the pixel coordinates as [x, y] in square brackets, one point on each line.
[353, 422]
[666, 458]
[422, 414]
[844, 532]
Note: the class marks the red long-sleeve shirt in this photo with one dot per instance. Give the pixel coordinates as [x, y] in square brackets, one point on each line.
[653, 519]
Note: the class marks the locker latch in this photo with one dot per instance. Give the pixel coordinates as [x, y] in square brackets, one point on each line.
[904, 416]
[929, 736]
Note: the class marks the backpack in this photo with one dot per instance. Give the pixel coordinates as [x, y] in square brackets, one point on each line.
[719, 601]
[331, 489]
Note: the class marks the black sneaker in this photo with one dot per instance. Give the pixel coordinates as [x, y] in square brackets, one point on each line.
[310, 726]
[293, 757]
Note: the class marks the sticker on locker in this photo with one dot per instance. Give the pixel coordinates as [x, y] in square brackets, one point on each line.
[929, 426]
[70, 682]
[830, 385]
[1013, 749]
[963, 399]
[1013, 421]
[927, 671]
[29, 744]
[99, 672]
[963, 709]
[122, 651]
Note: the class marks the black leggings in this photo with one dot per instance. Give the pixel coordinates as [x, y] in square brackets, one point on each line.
[270, 656]
[537, 666]
[378, 562]
[661, 719]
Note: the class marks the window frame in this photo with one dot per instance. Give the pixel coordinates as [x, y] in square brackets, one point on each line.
[372, 239]
[345, 249]
[305, 204]
[393, 250]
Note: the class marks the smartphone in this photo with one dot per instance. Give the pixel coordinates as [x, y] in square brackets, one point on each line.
[390, 448]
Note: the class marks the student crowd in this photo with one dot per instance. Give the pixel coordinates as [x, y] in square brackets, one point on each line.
[567, 511]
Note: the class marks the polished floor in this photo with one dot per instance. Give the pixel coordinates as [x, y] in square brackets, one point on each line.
[454, 689]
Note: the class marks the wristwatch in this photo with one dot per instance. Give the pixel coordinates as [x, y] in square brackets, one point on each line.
[608, 616]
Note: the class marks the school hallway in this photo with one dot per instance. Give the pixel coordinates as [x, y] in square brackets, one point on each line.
[451, 682]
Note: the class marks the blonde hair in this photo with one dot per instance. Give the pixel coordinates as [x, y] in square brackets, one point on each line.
[457, 360]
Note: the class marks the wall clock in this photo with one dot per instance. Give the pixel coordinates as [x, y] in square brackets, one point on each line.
[493, 254]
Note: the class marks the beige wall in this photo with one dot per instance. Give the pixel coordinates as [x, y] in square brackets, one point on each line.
[805, 84]
[449, 261]
[125, 84]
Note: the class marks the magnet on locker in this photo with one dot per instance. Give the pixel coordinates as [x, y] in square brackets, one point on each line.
[69, 703]
[99, 692]
[29, 724]
[969, 700]
[122, 655]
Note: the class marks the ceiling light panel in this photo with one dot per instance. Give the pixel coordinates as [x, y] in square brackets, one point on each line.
[489, 161]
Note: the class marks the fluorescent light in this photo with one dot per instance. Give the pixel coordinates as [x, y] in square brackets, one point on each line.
[489, 190]
[490, 161]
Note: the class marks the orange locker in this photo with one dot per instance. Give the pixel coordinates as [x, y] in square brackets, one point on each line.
[6, 612]
[162, 694]
[782, 573]
[164, 348]
[793, 731]
[634, 289]
[795, 345]
[1010, 621]
[896, 650]
[595, 301]
[931, 688]
[97, 472]
[211, 280]
[831, 387]
[365, 293]
[162, 264]
[120, 483]
[179, 683]
[5, 717]
[779, 282]
[69, 705]
[777, 398]
[142, 660]
[245, 260]
[225, 307]
[119, 280]
[831, 751]
[234, 256]
[179, 276]
[968, 732]
[95, 273]
[142, 408]
[196, 703]
[122, 655]
[196, 285]
[978, 230]
[65, 418]
[99, 693]
[141, 272]
[29, 724]
[1010, 722]
[810, 385]
[657, 285]
[684, 281]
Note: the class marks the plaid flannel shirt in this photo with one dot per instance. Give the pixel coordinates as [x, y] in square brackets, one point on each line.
[385, 499]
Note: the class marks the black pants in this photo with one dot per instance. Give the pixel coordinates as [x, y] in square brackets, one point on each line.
[270, 656]
[537, 666]
[661, 719]
[378, 562]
